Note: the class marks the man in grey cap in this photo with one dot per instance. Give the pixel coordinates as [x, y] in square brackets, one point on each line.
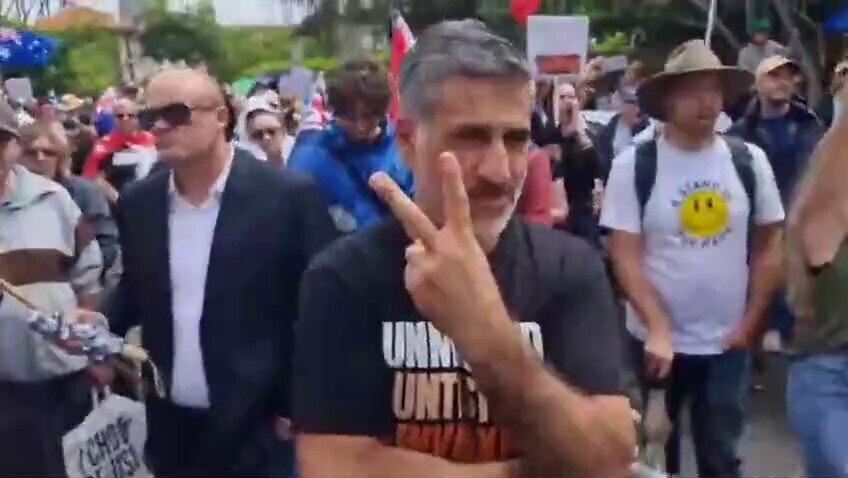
[47, 253]
[788, 131]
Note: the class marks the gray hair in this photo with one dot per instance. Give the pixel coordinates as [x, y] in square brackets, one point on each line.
[455, 48]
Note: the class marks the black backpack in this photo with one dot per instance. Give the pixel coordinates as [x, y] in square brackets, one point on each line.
[646, 174]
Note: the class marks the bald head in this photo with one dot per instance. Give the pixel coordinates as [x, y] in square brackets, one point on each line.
[191, 115]
[192, 86]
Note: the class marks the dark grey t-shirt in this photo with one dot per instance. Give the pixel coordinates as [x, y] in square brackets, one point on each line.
[368, 364]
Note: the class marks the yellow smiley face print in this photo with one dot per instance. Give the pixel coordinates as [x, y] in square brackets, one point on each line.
[705, 214]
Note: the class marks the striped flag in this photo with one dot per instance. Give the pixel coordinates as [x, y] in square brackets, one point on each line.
[318, 115]
[402, 43]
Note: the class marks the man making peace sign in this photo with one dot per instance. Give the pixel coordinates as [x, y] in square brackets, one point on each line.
[455, 339]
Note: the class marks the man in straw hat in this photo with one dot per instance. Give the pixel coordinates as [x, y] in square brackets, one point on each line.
[681, 208]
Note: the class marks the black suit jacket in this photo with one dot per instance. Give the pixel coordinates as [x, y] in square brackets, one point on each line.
[269, 226]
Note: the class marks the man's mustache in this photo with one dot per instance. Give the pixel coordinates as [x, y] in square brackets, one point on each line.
[488, 190]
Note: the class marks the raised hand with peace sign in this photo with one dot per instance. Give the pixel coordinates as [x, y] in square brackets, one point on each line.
[447, 273]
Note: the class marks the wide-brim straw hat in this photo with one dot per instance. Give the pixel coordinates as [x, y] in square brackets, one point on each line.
[70, 103]
[692, 58]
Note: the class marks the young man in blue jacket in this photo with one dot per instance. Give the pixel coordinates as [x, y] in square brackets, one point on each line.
[358, 143]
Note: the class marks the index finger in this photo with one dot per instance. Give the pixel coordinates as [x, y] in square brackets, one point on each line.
[416, 224]
[457, 213]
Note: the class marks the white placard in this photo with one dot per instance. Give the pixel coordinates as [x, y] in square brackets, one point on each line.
[19, 89]
[561, 37]
[615, 63]
[141, 157]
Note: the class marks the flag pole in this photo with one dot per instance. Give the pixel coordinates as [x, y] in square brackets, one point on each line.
[710, 22]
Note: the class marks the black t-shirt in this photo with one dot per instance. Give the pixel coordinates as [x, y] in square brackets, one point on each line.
[579, 168]
[367, 364]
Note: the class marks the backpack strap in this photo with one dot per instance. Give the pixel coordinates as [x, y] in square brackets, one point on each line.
[743, 161]
[645, 174]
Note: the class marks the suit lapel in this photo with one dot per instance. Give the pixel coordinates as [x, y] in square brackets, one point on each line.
[157, 244]
[232, 223]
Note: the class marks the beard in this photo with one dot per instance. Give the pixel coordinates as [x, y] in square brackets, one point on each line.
[488, 227]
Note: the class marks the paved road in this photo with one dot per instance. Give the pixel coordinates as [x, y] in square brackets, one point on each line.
[769, 449]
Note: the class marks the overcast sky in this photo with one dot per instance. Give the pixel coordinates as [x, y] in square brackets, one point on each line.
[230, 12]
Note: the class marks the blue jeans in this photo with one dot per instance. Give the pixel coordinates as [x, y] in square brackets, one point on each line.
[817, 399]
[718, 388]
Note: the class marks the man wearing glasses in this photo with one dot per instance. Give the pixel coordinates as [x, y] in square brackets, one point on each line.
[267, 134]
[358, 143]
[123, 156]
[214, 246]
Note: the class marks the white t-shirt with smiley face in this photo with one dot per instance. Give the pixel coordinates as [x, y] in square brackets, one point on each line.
[695, 230]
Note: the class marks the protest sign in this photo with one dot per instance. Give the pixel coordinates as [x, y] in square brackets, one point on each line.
[557, 45]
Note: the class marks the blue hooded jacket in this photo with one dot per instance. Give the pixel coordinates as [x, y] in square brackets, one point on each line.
[342, 167]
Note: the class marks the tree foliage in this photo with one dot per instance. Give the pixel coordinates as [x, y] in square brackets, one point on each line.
[86, 63]
[194, 37]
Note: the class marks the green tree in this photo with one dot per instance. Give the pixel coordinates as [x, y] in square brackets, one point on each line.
[194, 37]
[86, 63]
[252, 51]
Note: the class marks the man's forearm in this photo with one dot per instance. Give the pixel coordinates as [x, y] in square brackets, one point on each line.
[563, 432]
[400, 463]
[367, 457]
[642, 295]
[766, 278]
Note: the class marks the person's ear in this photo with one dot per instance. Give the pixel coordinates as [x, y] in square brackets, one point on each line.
[405, 132]
[223, 116]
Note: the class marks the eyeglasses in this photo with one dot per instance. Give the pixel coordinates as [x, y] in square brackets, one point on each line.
[260, 134]
[175, 114]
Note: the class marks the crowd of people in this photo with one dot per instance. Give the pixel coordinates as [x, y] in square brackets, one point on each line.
[489, 284]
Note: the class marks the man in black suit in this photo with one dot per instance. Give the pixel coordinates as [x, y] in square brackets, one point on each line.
[214, 246]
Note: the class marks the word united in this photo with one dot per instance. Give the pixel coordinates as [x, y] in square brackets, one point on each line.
[437, 405]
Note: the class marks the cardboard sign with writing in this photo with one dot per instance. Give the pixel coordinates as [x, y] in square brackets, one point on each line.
[557, 45]
[109, 443]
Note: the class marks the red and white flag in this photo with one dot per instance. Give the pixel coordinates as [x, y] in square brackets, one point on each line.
[402, 43]
[318, 114]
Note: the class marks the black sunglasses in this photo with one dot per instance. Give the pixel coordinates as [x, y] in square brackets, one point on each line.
[175, 114]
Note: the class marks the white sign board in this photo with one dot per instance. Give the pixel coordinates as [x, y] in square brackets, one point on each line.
[557, 45]
[19, 89]
[616, 63]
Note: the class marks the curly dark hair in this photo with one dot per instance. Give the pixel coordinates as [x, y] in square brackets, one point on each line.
[363, 83]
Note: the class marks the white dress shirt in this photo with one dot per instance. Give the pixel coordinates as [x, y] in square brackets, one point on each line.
[191, 230]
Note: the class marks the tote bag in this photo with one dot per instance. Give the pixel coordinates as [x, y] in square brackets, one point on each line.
[109, 443]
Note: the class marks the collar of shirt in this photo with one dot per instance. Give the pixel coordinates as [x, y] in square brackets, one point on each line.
[215, 192]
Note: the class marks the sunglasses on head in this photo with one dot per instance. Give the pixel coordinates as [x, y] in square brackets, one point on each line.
[175, 114]
[260, 134]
